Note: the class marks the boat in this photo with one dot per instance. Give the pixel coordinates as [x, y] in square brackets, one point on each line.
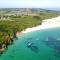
[29, 44]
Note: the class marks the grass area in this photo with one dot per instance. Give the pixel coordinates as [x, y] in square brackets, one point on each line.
[8, 27]
[19, 23]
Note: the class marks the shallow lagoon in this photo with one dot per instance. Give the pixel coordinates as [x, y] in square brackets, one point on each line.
[19, 50]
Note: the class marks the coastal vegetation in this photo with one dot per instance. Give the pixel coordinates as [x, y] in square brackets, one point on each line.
[11, 23]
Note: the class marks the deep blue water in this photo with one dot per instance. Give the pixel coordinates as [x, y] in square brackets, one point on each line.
[38, 51]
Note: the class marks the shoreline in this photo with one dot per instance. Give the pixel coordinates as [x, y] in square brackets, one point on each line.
[46, 24]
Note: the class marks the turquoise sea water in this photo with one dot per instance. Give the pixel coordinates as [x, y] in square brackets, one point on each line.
[19, 50]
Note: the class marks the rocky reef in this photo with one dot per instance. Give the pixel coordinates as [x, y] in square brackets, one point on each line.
[53, 43]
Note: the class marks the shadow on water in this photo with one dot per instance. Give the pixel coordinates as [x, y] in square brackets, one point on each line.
[53, 43]
[34, 49]
[12, 56]
[32, 46]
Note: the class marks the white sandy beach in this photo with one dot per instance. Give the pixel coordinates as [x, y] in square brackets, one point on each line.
[47, 23]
